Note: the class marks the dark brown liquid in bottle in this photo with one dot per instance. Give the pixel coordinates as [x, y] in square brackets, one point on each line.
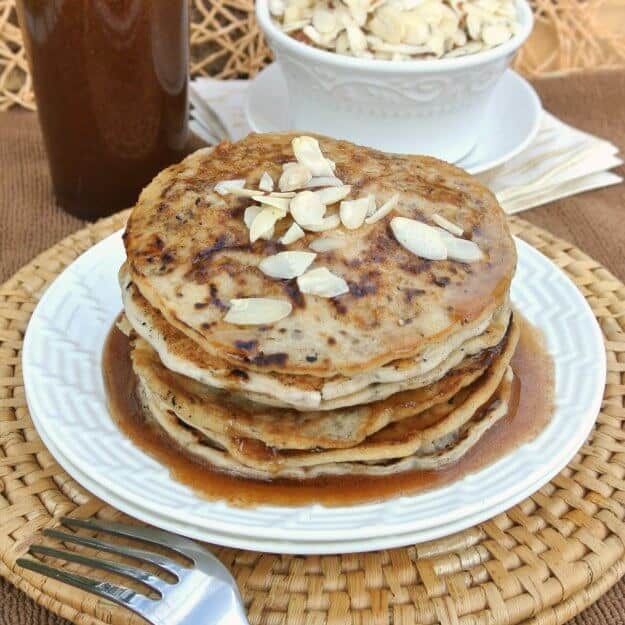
[110, 79]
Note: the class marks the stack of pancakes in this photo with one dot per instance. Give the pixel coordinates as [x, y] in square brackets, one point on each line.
[373, 353]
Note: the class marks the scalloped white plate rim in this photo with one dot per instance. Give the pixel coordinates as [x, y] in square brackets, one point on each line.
[301, 547]
[512, 94]
[108, 254]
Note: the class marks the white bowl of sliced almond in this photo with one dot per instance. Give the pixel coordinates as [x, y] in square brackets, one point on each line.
[403, 76]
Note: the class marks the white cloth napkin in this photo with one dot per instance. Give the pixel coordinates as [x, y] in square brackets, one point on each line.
[561, 161]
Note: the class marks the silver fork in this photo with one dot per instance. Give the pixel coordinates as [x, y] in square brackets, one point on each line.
[203, 593]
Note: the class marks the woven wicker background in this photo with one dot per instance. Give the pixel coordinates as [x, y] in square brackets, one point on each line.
[225, 42]
[540, 563]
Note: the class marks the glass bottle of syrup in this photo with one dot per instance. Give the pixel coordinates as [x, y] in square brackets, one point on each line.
[110, 80]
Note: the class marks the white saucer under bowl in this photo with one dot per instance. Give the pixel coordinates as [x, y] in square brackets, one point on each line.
[510, 124]
[65, 392]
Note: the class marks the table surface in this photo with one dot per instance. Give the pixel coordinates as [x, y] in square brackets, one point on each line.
[594, 221]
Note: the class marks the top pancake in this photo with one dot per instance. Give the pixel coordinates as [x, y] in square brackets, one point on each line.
[189, 254]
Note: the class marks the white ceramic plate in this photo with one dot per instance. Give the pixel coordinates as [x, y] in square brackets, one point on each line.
[265, 545]
[65, 393]
[510, 124]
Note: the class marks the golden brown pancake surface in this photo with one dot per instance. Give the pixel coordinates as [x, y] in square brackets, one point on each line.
[189, 254]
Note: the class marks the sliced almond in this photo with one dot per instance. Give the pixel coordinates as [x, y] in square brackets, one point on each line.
[353, 212]
[365, 54]
[416, 30]
[388, 24]
[459, 38]
[257, 310]
[324, 181]
[322, 282]
[439, 220]
[315, 36]
[327, 223]
[384, 210]
[293, 26]
[474, 25]
[445, 234]
[371, 206]
[448, 25]
[307, 209]
[419, 238]
[323, 20]
[356, 38]
[331, 195]
[242, 192]
[276, 7]
[358, 13]
[264, 222]
[286, 265]
[495, 34]
[295, 177]
[436, 43]
[250, 214]
[342, 14]
[292, 234]
[327, 244]
[270, 200]
[291, 14]
[469, 48]
[462, 250]
[224, 187]
[266, 182]
[457, 6]
[283, 194]
[431, 12]
[409, 5]
[342, 44]
[308, 153]
[398, 48]
[508, 10]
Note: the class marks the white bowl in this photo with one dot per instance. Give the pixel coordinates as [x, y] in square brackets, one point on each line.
[431, 106]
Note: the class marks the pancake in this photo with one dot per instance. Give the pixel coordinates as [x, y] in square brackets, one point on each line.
[393, 429]
[388, 349]
[433, 456]
[230, 413]
[182, 355]
[189, 255]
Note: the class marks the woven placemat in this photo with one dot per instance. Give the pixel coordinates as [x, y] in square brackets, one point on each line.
[541, 562]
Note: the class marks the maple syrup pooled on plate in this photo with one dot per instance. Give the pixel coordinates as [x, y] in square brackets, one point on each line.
[531, 408]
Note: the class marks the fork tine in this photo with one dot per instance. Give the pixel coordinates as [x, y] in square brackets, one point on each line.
[118, 594]
[180, 545]
[140, 554]
[155, 583]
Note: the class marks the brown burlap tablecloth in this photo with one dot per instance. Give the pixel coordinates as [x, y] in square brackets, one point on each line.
[30, 222]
